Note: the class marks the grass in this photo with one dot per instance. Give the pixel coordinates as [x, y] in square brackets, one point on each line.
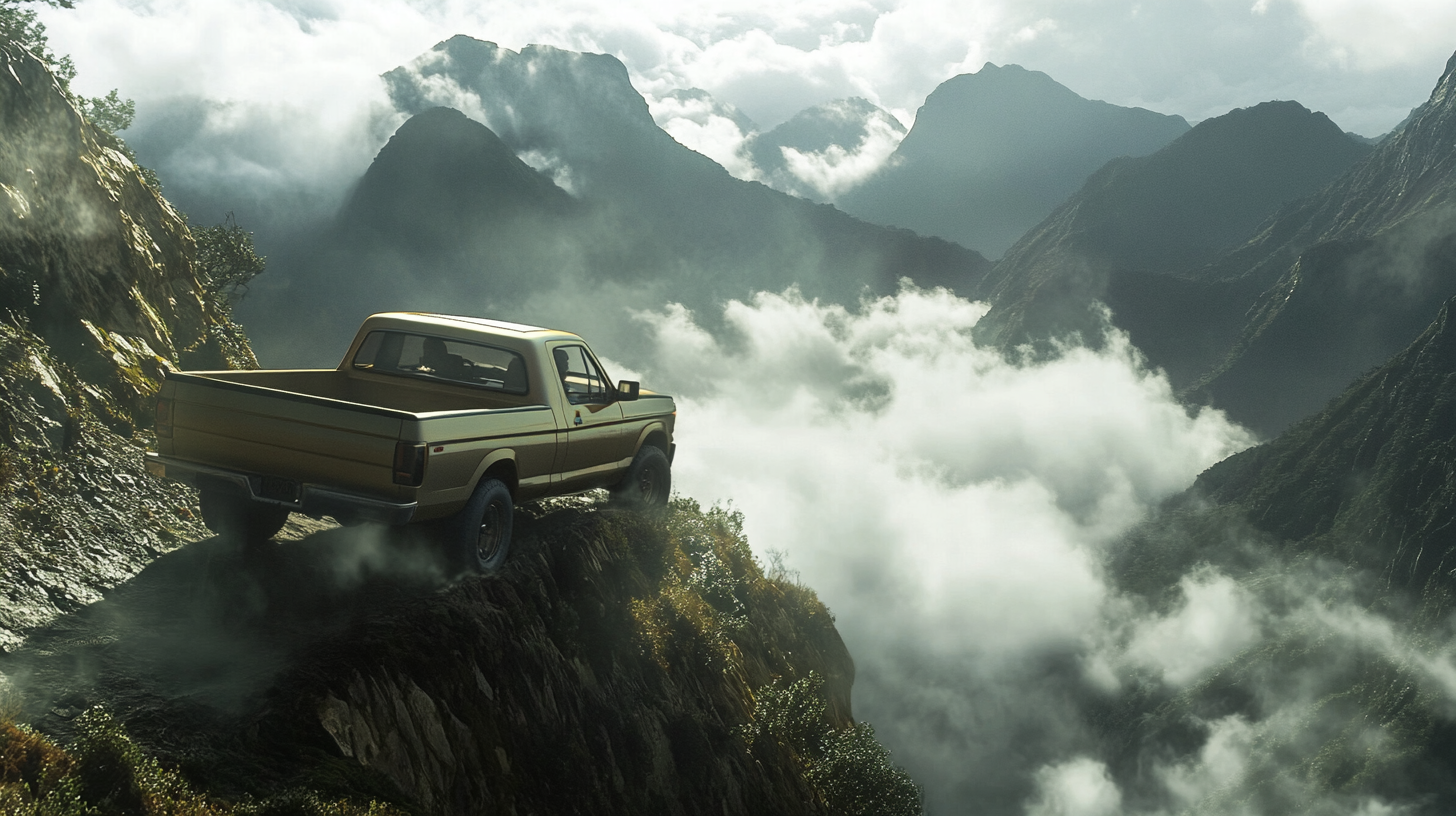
[105, 772]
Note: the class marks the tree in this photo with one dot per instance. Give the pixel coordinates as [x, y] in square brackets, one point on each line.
[19, 25]
[226, 261]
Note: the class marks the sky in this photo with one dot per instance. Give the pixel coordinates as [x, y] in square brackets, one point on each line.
[952, 507]
[1363, 62]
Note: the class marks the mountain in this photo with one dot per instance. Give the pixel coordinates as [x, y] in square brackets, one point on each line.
[833, 147]
[1138, 232]
[1348, 276]
[1332, 546]
[101, 294]
[648, 222]
[992, 153]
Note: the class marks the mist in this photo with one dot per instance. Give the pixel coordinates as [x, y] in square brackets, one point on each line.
[967, 517]
[950, 507]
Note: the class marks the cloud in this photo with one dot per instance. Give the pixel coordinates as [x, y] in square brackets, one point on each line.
[836, 170]
[1366, 34]
[948, 505]
[700, 123]
[1080, 787]
[1217, 619]
[1365, 63]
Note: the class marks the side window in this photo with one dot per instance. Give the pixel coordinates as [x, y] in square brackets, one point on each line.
[580, 376]
[437, 358]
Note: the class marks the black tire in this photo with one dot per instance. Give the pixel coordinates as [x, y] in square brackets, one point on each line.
[648, 483]
[478, 538]
[227, 513]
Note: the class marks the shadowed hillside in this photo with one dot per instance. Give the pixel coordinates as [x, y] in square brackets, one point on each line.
[1332, 545]
[1137, 234]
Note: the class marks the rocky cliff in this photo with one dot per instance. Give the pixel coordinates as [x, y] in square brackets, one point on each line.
[617, 665]
[100, 296]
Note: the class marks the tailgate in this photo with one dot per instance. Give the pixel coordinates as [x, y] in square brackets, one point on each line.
[279, 433]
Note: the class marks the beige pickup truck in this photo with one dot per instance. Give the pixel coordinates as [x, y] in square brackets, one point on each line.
[429, 418]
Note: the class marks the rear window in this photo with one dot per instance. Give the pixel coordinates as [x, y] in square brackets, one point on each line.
[438, 358]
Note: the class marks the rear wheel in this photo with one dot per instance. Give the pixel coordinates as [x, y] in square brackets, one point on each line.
[227, 513]
[478, 539]
[648, 482]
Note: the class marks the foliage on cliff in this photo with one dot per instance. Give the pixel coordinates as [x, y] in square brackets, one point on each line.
[104, 771]
[619, 665]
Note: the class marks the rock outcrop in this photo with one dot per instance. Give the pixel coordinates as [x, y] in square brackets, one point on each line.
[98, 296]
[617, 665]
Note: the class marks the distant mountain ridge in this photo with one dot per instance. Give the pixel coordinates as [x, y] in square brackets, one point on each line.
[1350, 275]
[1136, 234]
[647, 222]
[992, 153]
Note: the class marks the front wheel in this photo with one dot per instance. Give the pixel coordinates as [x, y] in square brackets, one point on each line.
[227, 513]
[478, 539]
[648, 483]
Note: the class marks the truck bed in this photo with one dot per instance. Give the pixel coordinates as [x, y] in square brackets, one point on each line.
[408, 395]
[337, 428]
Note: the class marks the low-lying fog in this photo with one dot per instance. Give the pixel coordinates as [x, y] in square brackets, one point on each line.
[954, 510]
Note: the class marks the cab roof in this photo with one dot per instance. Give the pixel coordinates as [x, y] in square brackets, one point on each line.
[499, 326]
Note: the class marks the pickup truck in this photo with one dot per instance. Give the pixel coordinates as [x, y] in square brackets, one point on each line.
[430, 418]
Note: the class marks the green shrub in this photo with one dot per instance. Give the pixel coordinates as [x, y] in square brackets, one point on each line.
[848, 767]
[105, 772]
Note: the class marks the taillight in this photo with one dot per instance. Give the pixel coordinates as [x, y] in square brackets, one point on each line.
[409, 464]
[164, 417]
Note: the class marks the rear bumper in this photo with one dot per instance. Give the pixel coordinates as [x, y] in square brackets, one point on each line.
[310, 500]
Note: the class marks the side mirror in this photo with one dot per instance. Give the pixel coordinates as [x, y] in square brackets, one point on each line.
[627, 390]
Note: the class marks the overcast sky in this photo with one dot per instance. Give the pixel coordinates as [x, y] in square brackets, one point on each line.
[1363, 62]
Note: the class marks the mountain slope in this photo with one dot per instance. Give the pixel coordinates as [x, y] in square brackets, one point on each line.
[1330, 550]
[99, 295]
[1354, 272]
[617, 666]
[1137, 232]
[992, 153]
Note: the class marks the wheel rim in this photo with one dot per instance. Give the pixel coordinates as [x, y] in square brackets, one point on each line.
[647, 485]
[488, 539]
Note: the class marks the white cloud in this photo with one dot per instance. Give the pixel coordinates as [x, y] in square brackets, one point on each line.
[704, 126]
[1217, 619]
[1221, 763]
[948, 505]
[1376, 34]
[1080, 787]
[837, 170]
[1369, 61]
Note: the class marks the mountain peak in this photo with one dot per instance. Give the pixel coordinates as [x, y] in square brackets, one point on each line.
[993, 153]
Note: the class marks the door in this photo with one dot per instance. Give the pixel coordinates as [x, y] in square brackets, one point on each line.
[593, 420]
